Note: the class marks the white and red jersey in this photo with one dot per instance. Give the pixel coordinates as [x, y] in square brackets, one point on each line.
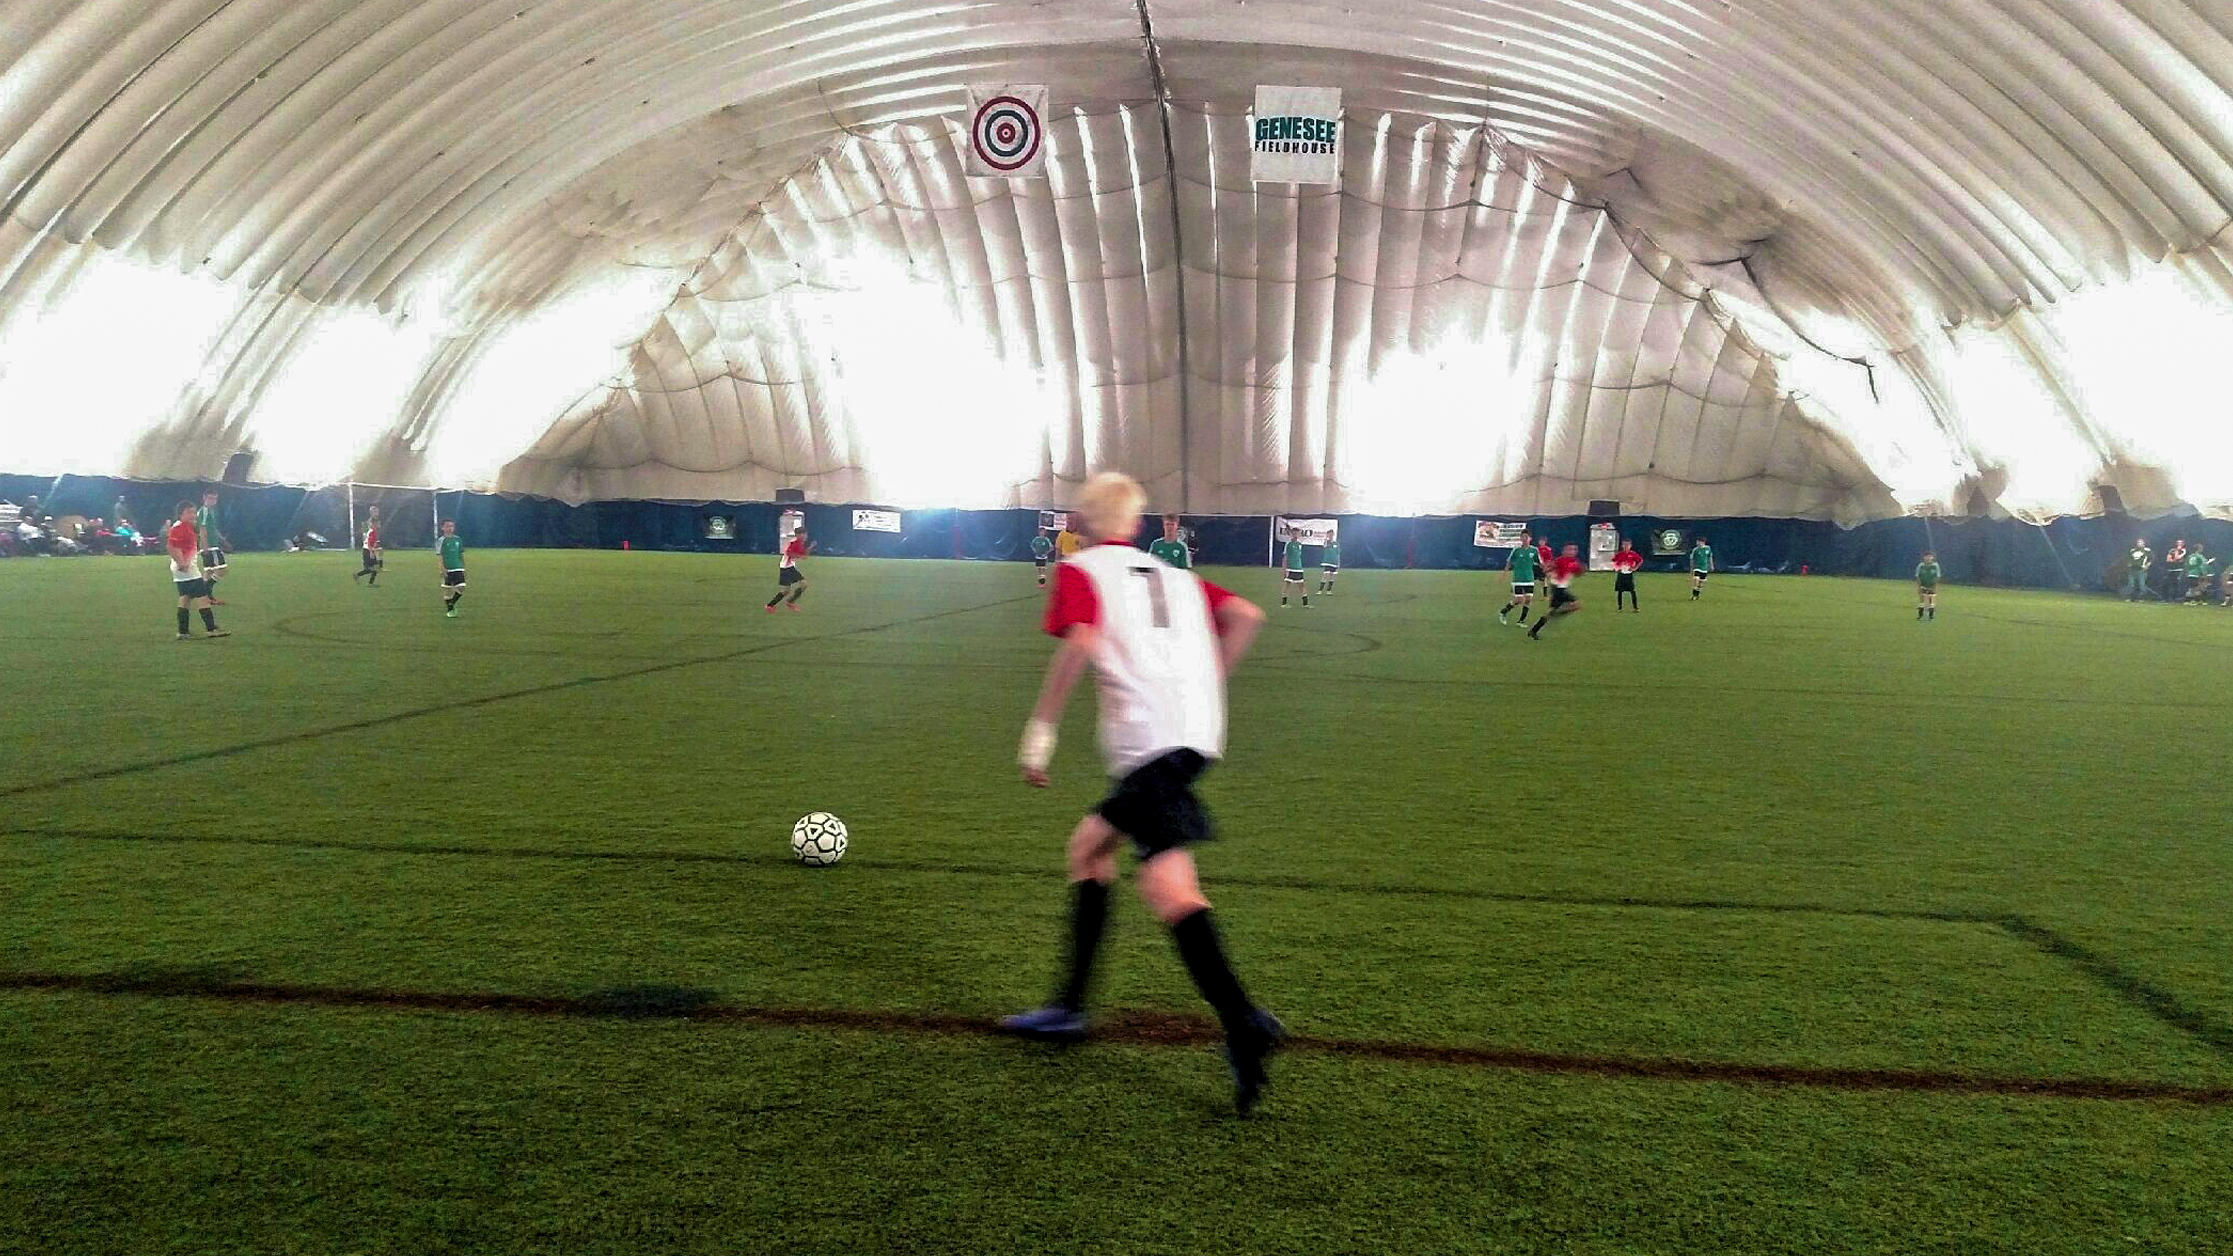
[1627, 561]
[793, 551]
[372, 536]
[182, 539]
[1162, 688]
[1564, 569]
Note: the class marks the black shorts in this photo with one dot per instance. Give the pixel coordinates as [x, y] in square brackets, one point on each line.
[1155, 806]
[1561, 597]
[1294, 577]
[192, 588]
[1331, 569]
[1040, 563]
[213, 560]
[372, 559]
[788, 576]
[1700, 575]
[1624, 582]
[453, 579]
[1523, 588]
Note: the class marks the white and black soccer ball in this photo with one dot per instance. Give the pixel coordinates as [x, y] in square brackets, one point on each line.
[818, 839]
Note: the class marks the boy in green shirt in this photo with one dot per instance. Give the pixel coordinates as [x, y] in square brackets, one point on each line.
[1294, 569]
[213, 544]
[1524, 560]
[1701, 566]
[1329, 565]
[2198, 566]
[1926, 588]
[1041, 548]
[451, 550]
[1170, 548]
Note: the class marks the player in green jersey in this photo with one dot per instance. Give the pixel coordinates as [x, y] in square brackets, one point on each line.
[1524, 558]
[1170, 548]
[2198, 566]
[1926, 587]
[1294, 569]
[1701, 566]
[1042, 548]
[1329, 565]
[213, 544]
[451, 550]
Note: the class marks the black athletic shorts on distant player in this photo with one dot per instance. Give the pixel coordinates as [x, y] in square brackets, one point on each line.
[1155, 806]
[789, 576]
[1294, 576]
[1331, 569]
[453, 579]
[1624, 582]
[372, 558]
[1560, 597]
[213, 560]
[1523, 588]
[1040, 563]
[192, 588]
[1700, 575]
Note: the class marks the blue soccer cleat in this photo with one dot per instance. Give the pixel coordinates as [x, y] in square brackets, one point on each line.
[1245, 1054]
[1047, 1024]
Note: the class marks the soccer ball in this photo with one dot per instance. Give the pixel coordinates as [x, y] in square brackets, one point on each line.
[818, 839]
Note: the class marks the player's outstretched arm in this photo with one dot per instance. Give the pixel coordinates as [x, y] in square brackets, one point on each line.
[1069, 663]
[1238, 621]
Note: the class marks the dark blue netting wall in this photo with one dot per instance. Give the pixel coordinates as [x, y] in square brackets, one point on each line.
[2067, 554]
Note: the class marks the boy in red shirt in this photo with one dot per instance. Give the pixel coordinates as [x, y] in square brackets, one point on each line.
[788, 578]
[192, 583]
[1563, 602]
[1625, 564]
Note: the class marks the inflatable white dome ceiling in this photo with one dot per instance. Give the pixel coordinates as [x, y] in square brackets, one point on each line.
[1817, 258]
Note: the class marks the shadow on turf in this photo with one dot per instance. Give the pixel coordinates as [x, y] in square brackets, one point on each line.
[1129, 1028]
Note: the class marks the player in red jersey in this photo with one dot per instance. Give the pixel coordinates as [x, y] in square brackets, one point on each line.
[789, 579]
[1160, 643]
[373, 559]
[187, 575]
[1563, 602]
[1625, 564]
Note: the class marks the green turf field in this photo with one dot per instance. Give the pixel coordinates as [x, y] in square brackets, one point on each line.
[1773, 923]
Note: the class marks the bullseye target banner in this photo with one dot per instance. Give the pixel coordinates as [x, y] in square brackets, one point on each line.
[1007, 132]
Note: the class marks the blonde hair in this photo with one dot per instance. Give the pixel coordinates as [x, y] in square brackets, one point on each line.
[1110, 505]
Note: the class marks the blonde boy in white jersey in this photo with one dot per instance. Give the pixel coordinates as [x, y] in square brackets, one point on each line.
[1160, 643]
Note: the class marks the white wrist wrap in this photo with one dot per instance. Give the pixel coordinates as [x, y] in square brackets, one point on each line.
[1037, 749]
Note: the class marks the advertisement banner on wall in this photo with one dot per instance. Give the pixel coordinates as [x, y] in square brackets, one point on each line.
[1308, 531]
[1668, 543]
[721, 527]
[1604, 542]
[876, 521]
[1053, 520]
[1295, 135]
[1497, 534]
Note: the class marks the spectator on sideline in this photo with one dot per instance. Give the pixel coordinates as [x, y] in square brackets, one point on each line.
[2174, 571]
[2136, 564]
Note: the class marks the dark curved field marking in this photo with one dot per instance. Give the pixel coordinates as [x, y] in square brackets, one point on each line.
[467, 704]
[1124, 1027]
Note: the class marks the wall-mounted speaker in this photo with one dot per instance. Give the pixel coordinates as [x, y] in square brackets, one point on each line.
[1604, 510]
[790, 497]
[238, 467]
[2112, 501]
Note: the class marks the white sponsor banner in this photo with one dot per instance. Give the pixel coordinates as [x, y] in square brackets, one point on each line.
[1053, 520]
[876, 521]
[1497, 534]
[1604, 542]
[1295, 135]
[791, 524]
[1308, 531]
[1007, 136]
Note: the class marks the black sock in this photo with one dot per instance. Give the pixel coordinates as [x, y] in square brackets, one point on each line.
[1204, 957]
[209, 619]
[1507, 608]
[1089, 920]
[797, 593]
[773, 600]
[185, 625]
[450, 602]
[1523, 613]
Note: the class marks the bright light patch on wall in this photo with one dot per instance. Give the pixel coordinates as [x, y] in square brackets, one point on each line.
[1893, 428]
[1427, 429]
[108, 361]
[537, 368]
[2012, 419]
[2149, 359]
[344, 384]
[941, 417]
